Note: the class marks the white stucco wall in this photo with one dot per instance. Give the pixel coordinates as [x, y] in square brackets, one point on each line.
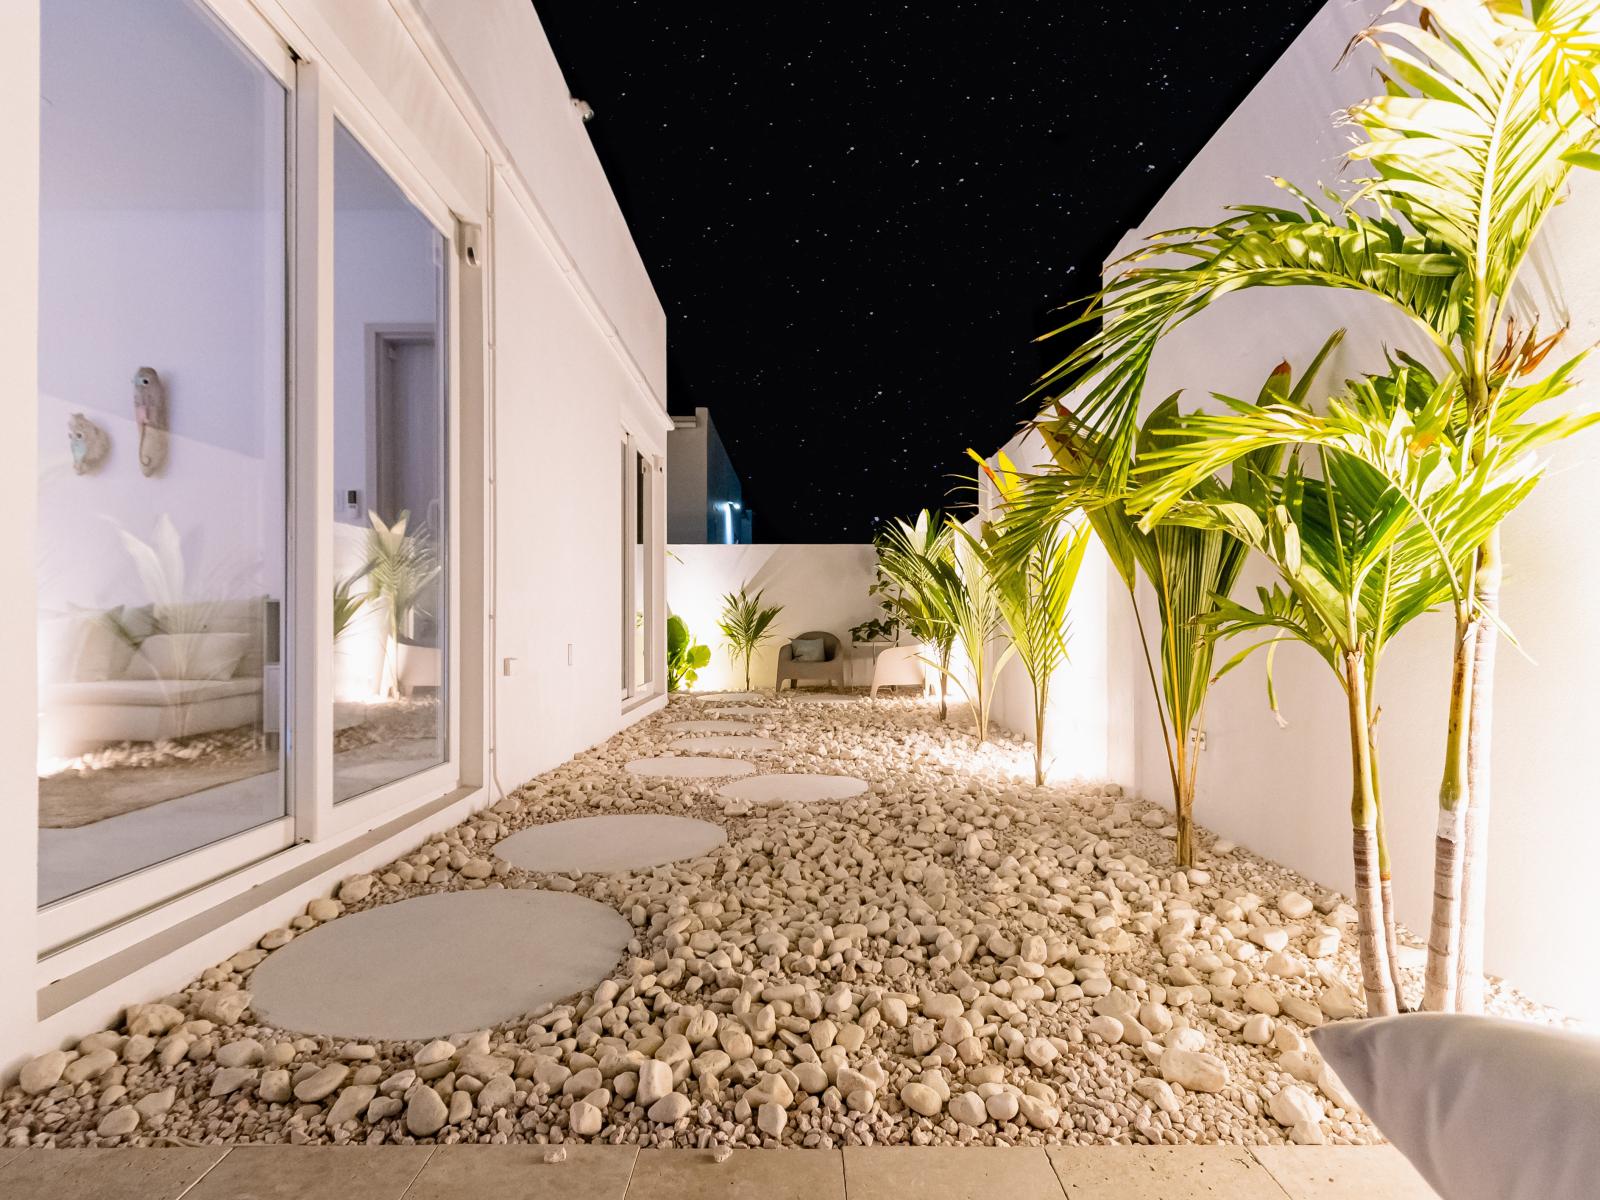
[1285, 792]
[821, 587]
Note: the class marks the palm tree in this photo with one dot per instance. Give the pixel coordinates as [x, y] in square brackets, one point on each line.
[1370, 516]
[965, 593]
[908, 554]
[746, 625]
[1189, 570]
[1489, 104]
[1034, 591]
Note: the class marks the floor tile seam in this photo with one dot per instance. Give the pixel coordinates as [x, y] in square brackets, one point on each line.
[1056, 1174]
[195, 1182]
[428, 1158]
[1267, 1167]
[633, 1167]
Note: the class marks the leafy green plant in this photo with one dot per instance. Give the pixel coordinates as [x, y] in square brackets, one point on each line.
[1034, 591]
[745, 624]
[1488, 106]
[878, 629]
[347, 603]
[685, 656]
[401, 567]
[909, 557]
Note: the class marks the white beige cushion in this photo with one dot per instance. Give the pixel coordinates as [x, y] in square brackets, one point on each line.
[1485, 1109]
[188, 656]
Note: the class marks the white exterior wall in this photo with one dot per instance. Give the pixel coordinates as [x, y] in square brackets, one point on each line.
[1285, 792]
[821, 587]
[469, 101]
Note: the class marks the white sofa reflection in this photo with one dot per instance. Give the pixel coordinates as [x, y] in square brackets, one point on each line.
[153, 672]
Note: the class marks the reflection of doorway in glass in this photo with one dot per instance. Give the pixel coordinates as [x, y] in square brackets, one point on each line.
[404, 440]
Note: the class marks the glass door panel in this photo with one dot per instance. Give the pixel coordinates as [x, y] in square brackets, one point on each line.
[161, 439]
[390, 525]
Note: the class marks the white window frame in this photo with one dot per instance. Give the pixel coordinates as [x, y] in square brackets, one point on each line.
[636, 691]
[322, 817]
[67, 929]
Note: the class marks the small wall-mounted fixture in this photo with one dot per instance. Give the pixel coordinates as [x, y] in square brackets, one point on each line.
[727, 507]
[469, 238]
[584, 110]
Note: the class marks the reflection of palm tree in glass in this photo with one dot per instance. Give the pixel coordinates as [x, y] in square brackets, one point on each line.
[401, 567]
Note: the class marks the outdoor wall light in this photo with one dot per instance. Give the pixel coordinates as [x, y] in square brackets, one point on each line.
[727, 507]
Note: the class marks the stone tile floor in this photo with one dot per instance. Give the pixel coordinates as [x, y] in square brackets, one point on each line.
[626, 1173]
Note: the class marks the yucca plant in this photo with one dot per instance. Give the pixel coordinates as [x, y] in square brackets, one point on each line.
[746, 626]
[1035, 588]
[908, 556]
[1358, 555]
[401, 567]
[1488, 105]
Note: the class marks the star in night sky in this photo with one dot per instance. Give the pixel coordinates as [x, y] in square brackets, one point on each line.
[858, 217]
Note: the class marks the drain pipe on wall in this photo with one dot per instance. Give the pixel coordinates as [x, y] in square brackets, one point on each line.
[492, 422]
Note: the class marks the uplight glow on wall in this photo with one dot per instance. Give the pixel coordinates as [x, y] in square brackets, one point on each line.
[727, 507]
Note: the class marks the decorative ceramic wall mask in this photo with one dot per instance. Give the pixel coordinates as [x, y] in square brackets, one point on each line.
[88, 443]
[150, 413]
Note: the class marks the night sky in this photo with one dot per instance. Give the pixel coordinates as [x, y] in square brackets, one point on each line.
[858, 216]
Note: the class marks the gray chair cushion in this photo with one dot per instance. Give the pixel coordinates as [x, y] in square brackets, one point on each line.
[1485, 1109]
[809, 650]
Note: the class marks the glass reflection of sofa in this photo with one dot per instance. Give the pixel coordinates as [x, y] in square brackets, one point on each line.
[147, 673]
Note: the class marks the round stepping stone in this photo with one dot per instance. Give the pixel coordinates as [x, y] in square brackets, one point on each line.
[709, 727]
[440, 964]
[689, 767]
[721, 742]
[772, 789]
[727, 697]
[610, 843]
[744, 712]
[822, 697]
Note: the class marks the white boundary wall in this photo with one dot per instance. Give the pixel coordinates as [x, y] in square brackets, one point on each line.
[1285, 792]
[820, 586]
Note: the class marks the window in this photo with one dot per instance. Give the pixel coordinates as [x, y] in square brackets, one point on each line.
[162, 449]
[640, 616]
[390, 526]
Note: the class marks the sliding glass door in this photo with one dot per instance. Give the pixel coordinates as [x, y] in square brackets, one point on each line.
[245, 554]
[161, 439]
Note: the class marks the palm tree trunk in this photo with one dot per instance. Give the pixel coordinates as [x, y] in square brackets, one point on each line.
[1041, 701]
[1391, 940]
[1183, 801]
[1475, 827]
[1375, 975]
[944, 684]
[1444, 932]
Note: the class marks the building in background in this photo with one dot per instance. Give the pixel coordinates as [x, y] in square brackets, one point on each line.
[705, 500]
